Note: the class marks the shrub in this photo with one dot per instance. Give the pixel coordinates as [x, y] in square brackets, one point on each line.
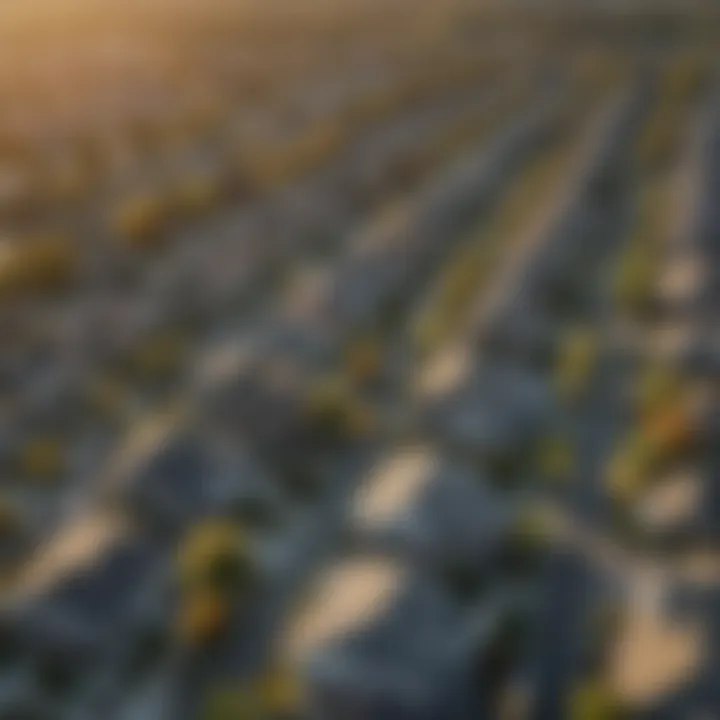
[141, 221]
[271, 167]
[37, 265]
[106, 396]
[42, 458]
[198, 194]
[427, 333]
[11, 521]
[628, 469]
[555, 458]
[576, 362]
[233, 704]
[69, 182]
[332, 408]
[594, 701]
[159, 355]
[363, 360]
[277, 694]
[204, 615]
[634, 282]
[280, 692]
[528, 539]
[670, 431]
[659, 386]
[215, 555]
